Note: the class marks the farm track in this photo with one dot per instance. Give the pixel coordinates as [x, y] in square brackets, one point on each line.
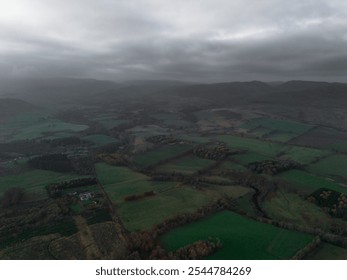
[122, 232]
[86, 238]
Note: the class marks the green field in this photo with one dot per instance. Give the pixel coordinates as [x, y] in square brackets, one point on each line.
[257, 146]
[172, 119]
[304, 155]
[249, 157]
[229, 165]
[280, 125]
[231, 191]
[145, 213]
[194, 138]
[34, 181]
[334, 166]
[164, 152]
[260, 131]
[110, 122]
[186, 165]
[307, 183]
[242, 238]
[340, 146]
[244, 204]
[281, 136]
[100, 139]
[328, 252]
[292, 208]
[35, 125]
[120, 182]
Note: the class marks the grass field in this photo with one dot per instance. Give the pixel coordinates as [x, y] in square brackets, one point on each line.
[242, 238]
[35, 125]
[110, 121]
[304, 155]
[145, 213]
[281, 136]
[229, 165]
[340, 146]
[328, 252]
[120, 182]
[100, 139]
[334, 166]
[232, 191]
[186, 165]
[162, 153]
[172, 119]
[307, 183]
[293, 208]
[263, 148]
[260, 131]
[244, 204]
[194, 138]
[34, 181]
[249, 157]
[281, 125]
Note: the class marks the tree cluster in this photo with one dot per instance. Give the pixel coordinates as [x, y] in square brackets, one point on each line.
[162, 139]
[139, 196]
[12, 197]
[52, 162]
[272, 167]
[56, 190]
[333, 202]
[219, 152]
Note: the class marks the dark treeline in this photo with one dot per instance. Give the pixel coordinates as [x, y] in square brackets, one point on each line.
[142, 244]
[53, 162]
[12, 197]
[272, 167]
[56, 190]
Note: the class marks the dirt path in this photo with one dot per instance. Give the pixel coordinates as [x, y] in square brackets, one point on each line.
[86, 238]
[120, 228]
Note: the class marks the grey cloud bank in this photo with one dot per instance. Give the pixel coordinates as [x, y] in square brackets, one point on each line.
[211, 41]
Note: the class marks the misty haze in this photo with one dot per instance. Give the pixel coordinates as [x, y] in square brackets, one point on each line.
[173, 129]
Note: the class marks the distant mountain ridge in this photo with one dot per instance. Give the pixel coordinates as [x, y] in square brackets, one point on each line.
[11, 107]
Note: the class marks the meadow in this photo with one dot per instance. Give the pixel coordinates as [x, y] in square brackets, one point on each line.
[334, 166]
[241, 238]
[34, 181]
[185, 165]
[279, 125]
[260, 147]
[162, 153]
[145, 213]
[307, 183]
[100, 139]
[292, 208]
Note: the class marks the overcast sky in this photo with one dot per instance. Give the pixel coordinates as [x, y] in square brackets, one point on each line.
[197, 40]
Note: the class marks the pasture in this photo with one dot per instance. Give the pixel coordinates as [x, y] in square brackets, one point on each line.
[307, 183]
[100, 139]
[292, 208]
[304, 155]
[120, 182]
[242, 238]
[186, 165]
[334, 166]
[328, 251]
[33, 182]
[260, 147]
[162, 153]
[145, 213]
[279, 125]
[249, 157]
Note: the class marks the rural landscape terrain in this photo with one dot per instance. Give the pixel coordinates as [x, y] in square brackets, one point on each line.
[161, 169]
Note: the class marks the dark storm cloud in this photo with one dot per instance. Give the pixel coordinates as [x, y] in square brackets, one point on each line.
[215, 40]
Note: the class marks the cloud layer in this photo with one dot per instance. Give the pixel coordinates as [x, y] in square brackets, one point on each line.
[211, 40]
